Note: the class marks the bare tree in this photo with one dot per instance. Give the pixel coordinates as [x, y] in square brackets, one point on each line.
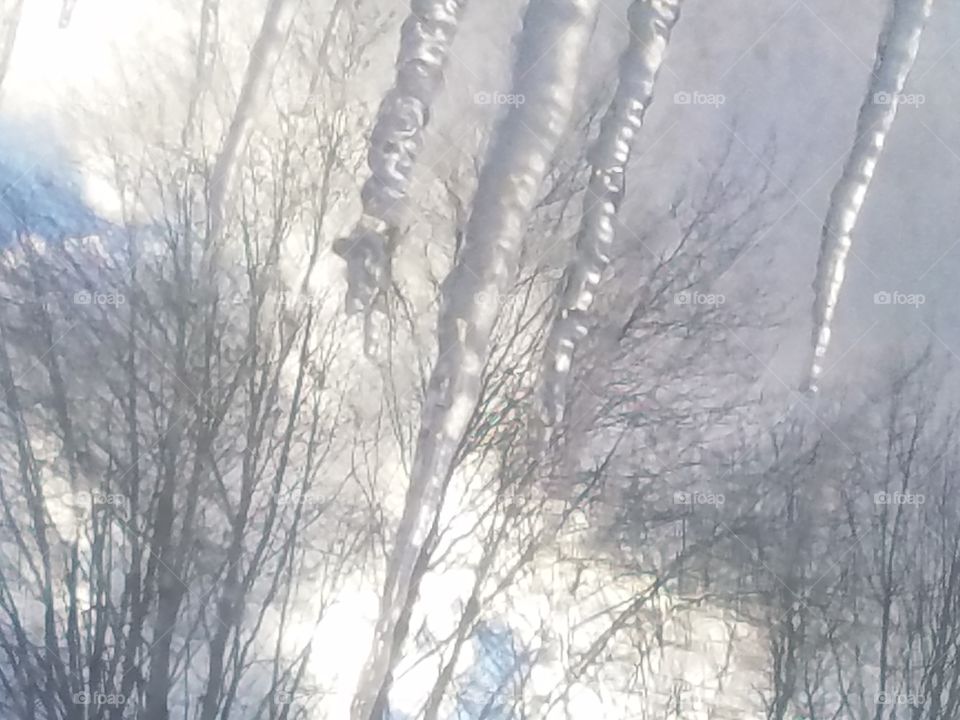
[182, 491]
[200, 511]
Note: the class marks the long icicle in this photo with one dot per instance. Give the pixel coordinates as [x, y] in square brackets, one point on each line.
[256, 82]
[651, 23]
[9, 25]
[66, 13]
[203, 65]
[897, 51]
[551, 51]
[426, 39]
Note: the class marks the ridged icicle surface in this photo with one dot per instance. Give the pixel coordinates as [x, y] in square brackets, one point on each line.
[425, 42]
[551, 51]
[651, 23]
[896, 53]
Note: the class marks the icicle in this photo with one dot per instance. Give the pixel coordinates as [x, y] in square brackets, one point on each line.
[66, 13]
[9, 24]
[256, 82]
[555, 37]
[896, 53]
[425, 42]
[651, 23]
[206, 57]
